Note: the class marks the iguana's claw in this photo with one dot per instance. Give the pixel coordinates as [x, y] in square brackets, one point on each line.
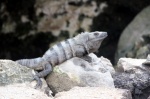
[39, 82]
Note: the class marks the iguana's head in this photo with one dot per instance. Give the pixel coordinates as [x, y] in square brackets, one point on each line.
[92, 40]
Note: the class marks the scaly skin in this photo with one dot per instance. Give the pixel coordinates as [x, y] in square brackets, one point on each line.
[79, 46]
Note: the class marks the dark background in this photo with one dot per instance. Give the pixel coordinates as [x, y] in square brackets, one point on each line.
[114, 19]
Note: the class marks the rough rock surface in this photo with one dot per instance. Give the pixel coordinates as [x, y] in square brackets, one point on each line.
[21, 91]
[132, 75]
[11, 72]
[94, 75]
[78, 72]
[127, 64]
[94, 93]
[133, 33]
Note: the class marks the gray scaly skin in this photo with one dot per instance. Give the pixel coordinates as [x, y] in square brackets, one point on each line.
[79, 46]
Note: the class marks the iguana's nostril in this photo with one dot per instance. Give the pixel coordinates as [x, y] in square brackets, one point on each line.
[104, 34]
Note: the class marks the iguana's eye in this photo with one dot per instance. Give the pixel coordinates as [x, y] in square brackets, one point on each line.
[96, 34]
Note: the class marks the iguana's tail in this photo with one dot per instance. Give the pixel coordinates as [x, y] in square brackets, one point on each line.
[31, 63]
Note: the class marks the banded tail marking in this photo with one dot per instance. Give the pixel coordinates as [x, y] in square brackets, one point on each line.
[67, 49]
[59, 52]
[72, 43]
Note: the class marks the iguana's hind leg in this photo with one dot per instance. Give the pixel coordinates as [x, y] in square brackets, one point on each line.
[47, 69]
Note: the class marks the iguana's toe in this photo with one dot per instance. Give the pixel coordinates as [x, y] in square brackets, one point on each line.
[39, 82]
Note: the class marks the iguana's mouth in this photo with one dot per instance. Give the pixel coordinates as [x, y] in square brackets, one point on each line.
[102, 36]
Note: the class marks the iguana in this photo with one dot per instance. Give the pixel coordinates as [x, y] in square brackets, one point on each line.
[79, 46]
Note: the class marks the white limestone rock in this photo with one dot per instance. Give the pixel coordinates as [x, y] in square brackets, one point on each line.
[94, 92]
[127, 64]
[21, 91]
[12, 73]
[78, 72]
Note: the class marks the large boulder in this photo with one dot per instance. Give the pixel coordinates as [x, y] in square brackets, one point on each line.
[12, 73]
[133, 33]
[94, 92]
[78, 72]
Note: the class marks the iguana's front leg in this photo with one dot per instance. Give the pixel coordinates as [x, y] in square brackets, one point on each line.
[87, 58]
[47, 69]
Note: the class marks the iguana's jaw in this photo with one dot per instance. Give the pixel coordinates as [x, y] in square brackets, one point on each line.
[102, 35]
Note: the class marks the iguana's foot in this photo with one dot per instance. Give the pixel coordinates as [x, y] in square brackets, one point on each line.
[46, 70]
[39, 82]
